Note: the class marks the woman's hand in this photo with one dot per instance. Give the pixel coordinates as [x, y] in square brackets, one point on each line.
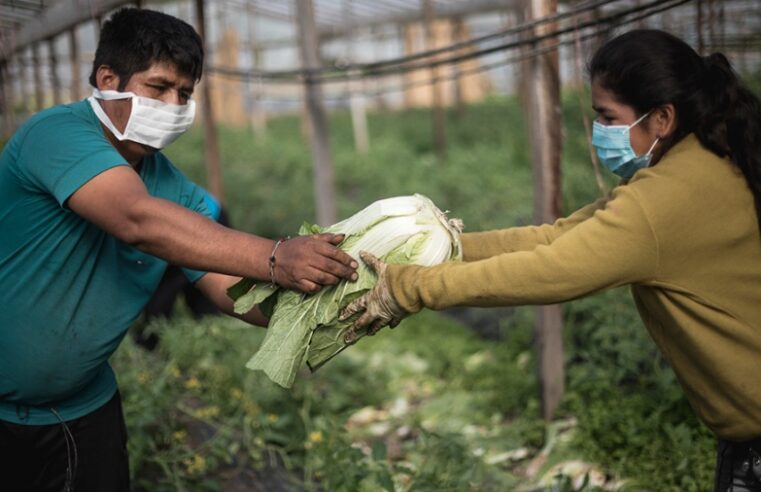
[378, 307]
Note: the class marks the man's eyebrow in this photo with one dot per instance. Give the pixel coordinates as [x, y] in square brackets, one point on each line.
[158, 79]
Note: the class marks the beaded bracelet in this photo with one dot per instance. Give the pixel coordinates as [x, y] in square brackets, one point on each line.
[272, 257]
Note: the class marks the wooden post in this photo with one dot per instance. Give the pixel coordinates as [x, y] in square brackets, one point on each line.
[26, 90]
[10, 93]
[258, 115]
[524, 74]
[545, 125]
[211, 145]
[721, 27]
[356, 99]
[55, 82]
[437, 114]
[458, 31]
[98, 20]
[76, 70]
[712, 41]
[324, 188]
[699, 26]
[39, 96]
[6, 105]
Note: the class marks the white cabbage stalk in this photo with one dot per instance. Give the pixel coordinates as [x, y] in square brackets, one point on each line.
[401, 230]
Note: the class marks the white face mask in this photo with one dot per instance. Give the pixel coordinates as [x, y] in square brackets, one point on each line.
[151, 122]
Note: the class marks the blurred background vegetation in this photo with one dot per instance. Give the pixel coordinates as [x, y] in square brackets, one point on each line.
[448, 401]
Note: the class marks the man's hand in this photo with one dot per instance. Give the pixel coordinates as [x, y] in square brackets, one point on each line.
[378, 306]
[307, 263]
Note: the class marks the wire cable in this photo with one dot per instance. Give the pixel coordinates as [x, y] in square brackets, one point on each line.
[371, 70]
[473, 71]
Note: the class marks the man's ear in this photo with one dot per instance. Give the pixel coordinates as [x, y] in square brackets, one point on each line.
[106, 79]
[664, 120]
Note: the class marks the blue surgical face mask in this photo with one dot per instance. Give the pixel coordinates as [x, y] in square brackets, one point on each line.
[614, 148]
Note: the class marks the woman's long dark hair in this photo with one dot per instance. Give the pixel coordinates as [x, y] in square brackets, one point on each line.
[648, 68]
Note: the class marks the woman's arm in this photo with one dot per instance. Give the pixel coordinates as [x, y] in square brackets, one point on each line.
[481, 245]
[616, 246]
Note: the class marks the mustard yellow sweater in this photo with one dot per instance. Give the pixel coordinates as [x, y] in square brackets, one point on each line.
[683, 234]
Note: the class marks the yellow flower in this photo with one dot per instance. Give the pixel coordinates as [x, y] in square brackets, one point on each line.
[207, 412]
[174, 372]
[179, 435]
[236, 393]
[315, 437]
[251, 408]
[196, 464]
[272, 418]
[192, 383]
[143, 377]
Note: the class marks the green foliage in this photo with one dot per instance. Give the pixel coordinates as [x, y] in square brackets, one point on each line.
[463, 399]
[633, 416]
[194, 413]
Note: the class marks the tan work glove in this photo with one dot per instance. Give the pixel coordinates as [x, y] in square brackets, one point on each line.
[378, 306]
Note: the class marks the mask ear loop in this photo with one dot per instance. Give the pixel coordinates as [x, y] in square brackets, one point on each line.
[640, 119]
[650, 151]
[104, 118]
[657, 138]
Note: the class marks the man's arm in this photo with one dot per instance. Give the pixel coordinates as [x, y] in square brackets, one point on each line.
[214, 287]
[117, 202]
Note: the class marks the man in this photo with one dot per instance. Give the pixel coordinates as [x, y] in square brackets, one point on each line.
[91, 214]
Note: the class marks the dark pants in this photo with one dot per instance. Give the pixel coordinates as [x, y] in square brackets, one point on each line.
[88, 454]
[738, 466]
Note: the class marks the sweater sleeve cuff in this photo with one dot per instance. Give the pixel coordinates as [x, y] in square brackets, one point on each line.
[401, 284]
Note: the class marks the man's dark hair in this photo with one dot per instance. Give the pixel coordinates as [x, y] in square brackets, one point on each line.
[134, 39]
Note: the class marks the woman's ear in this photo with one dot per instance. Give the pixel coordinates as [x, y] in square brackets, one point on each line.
[664, 120]
[106, 79]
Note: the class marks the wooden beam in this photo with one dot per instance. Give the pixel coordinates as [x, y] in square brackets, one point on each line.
[545, 125]
[399, 18]
[60, 17]
[410, 16]
[324, 187]
[211, 144]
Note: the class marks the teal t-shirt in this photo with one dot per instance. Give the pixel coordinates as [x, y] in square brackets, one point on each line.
[68, 290]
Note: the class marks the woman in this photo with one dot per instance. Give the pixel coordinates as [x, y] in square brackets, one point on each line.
[682, 230]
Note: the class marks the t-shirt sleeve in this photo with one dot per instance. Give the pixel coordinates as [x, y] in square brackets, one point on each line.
[616, 246]
[61, 153]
